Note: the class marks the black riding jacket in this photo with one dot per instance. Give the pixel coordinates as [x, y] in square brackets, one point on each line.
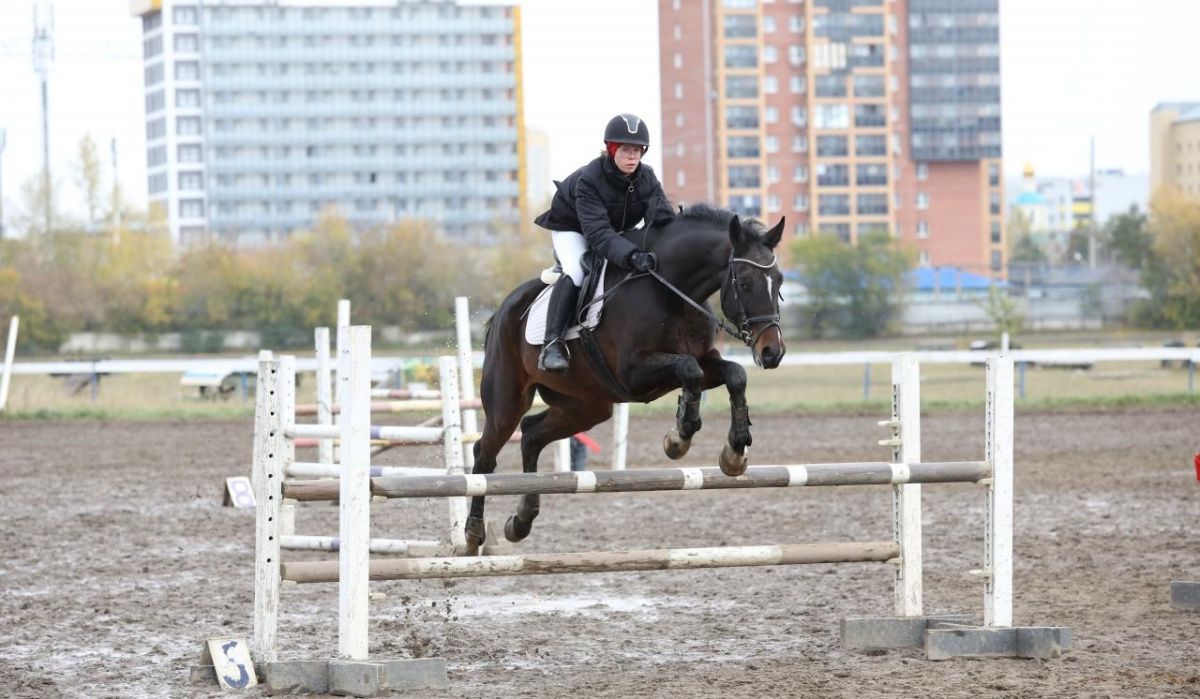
[599, 201]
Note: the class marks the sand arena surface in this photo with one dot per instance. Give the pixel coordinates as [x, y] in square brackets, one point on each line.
[121, 560]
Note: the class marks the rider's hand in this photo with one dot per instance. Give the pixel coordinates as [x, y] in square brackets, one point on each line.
[643, 262]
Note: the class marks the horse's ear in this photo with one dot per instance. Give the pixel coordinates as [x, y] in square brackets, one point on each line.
[735, 230]
[774, 235]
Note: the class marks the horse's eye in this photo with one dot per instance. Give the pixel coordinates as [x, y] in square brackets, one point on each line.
[745, 285]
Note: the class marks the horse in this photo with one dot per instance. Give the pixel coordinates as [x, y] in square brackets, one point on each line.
[657, 335]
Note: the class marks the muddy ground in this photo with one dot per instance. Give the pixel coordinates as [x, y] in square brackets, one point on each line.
[120, 560]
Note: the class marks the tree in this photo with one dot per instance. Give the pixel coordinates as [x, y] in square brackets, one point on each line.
[1127, 239]
[1023, 248]
[854, 290]
[88, 176]
[1172, 273]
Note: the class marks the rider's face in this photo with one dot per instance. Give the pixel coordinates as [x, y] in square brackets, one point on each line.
[627, 157]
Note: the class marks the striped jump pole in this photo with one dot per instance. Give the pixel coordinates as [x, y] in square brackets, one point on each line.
[644, 480]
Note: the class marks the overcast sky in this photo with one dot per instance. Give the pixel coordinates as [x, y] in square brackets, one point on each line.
[1071, 69]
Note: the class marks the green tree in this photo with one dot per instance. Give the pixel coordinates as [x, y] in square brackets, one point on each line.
[1127, 239]
[1172, 273]
[853, 290]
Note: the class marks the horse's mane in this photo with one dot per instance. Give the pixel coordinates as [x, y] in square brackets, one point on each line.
[707, 213]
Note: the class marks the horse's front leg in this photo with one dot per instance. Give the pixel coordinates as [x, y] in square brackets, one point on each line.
[718, 371]
[660, 368]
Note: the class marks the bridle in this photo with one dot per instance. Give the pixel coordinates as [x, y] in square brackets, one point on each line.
[742, 331]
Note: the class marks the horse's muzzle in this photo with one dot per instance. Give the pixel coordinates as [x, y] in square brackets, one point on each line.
[770, 348]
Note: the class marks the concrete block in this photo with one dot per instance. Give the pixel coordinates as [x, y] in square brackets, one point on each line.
[1042, 642]
[866, 633]
[296, 676]
[421, 673]
[1185, 595]
[356, 678]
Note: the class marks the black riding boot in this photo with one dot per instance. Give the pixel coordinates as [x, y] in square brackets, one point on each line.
[555, 358]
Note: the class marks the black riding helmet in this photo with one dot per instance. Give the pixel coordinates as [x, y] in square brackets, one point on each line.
[627, 128]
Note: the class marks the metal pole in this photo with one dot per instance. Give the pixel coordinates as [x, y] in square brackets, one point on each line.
[1092, 204]
[866, 381]
[46, 154]
[1021, 373]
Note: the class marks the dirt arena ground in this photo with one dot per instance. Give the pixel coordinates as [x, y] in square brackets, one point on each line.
[121, 560]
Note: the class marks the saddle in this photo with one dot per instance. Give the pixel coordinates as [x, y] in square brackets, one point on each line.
[586, 313]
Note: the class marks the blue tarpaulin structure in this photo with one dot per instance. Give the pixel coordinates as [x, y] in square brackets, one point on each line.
[948, 279]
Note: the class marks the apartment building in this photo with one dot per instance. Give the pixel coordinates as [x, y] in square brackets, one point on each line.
[260, 114]
[1175, 147]
[849, 117]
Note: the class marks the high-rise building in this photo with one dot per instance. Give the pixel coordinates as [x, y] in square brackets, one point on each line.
[262, 113]
[847, 116]
[1175, 147]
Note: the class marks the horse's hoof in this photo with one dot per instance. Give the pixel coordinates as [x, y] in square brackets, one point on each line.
[516, 529]
[476, 534]
[675, 446]
[732, 463]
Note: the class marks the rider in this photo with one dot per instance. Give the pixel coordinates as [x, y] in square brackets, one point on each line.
[591, 209]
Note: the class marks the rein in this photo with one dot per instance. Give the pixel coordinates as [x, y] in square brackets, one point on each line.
[742, 331]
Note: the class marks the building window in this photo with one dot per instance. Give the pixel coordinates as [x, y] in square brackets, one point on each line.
[678, 90]
[187, 98]
[739, 26]
[802, 228]
[833, 204]
[922, 200]
[742, 147]
[768, 24]
[190, 153]
[187, 43]
[868, 85]
[740, 56]
[997, 260]
[187, 70]
[771, 116]
[870, 174]
[798, 84]
[795, 55]
[800, 143]
[832, 116]
[995, 232]
[191, 208]
[872, 204]
[680, 179]
[773, 204]
[800, 173]
[744, 176]
[184, 14]
[772, 144]
[832, 145]
[740, 116]
[772, 174]
[870, 145]
[770, 84]
[796, 24]
[678, 60]
[187, 126]
[994, 203]
[190, 181]
[922, 229]
[829, 175]
[922, 172]
[924, 258]
[800, 203]
[770, 54]
[741, 86]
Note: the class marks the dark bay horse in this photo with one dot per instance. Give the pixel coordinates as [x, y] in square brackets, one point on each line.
[654, 339]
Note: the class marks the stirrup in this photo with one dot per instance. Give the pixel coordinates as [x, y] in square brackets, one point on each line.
[563, 352]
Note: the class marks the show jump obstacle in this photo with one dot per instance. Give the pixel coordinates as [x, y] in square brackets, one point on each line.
[941, 636]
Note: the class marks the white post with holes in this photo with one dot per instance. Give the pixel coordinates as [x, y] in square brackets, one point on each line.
[267, 480]
[906, 498]
[354, 378]
[452, 449]
[998, 538]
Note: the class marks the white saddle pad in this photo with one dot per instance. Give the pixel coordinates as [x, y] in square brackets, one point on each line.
[535, 320]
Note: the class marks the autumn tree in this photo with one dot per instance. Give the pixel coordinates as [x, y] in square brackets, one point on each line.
[1171, 274]
[853, 289]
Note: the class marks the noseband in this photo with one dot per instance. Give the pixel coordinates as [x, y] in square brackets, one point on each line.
[744, 333]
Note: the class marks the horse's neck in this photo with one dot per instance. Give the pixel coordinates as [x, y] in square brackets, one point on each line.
[695, 263]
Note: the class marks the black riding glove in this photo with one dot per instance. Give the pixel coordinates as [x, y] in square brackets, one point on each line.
[643, 262]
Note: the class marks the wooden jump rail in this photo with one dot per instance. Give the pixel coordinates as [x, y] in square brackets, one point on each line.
[643, 480]
[602, 562]
[941, 636]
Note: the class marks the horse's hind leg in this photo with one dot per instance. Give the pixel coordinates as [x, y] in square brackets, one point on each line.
[564, 418]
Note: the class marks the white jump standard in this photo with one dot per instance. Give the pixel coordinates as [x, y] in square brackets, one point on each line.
[941, 637]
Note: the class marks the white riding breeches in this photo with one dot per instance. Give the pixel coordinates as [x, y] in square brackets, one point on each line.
[569, 247]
